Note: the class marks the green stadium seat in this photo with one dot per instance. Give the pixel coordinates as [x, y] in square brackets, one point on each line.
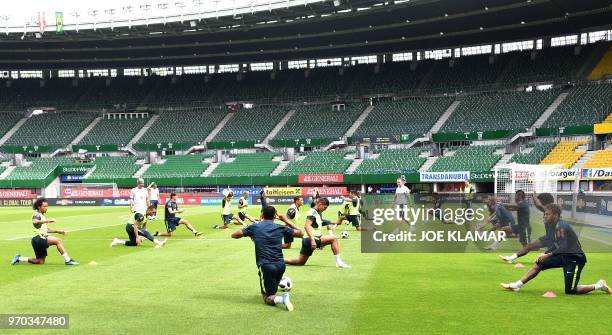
[499, 111]
[114, 131]
[39, 169]
[539, 150]
[256, 164]
[114, 167]
[252, 124]
[585, 105]
[319, 162]
[391, 161]
[319, 122]
[53, 129]
[178, 167]
[478, 158]
[413, 116]
[183, 126]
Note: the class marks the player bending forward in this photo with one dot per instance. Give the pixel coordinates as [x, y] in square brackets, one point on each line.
[566, 253]
[540, 201]
[137, 231]
[226, 213]
[268, 236]
[293, 213]
[314, 222]
[41, 240]
[243, 206]
[173, 221]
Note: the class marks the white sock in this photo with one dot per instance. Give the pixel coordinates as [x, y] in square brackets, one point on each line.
[513, 257]
[158, 242]
[598, 285]
[494, 244]
[23, 259]
[118, 241]
[519, 284]
[66, 257]
[338, 259]
[278, 299]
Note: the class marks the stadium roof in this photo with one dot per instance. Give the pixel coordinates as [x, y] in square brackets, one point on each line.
[319, 29]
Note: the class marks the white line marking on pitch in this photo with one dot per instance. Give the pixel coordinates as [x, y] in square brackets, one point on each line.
[596, 239]
[67, 231]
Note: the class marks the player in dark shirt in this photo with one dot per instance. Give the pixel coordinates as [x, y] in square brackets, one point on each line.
[540, 201]
[522, 216]
[566, 253]
[267, 237]
[172, 221]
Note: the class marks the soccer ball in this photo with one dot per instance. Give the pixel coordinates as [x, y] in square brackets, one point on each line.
[285, 284]
[345, 234]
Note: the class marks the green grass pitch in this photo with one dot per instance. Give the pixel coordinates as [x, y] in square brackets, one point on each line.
[210, 286]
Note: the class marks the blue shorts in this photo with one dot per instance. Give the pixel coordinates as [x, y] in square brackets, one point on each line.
[172, 223]
[354, 220]
[307, 249]
[227, 219]
[572, 265]
[39, 244]
[270, 274]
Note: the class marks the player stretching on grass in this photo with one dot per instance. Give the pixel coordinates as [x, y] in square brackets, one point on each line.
[243, 206]
[136, 229]
[268, 236]
[173, 221]
[502, 219]
[41, 240]
[226, 213]
[540, 201]
[293, 213]
[315, 240]
[566, 252]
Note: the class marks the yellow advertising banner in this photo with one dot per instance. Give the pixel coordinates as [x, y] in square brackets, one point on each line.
[602, 128]
[283, 191]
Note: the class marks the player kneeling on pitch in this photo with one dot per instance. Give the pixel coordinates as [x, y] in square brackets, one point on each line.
[566, 253]
[315, 240]
[41, 240]
[137, 231]
[173, 221]
[268, 236]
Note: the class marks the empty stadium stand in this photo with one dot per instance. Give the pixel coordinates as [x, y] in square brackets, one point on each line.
[600, 159]
[413, 116]
[497, 111]
[114, 167]
[393, 161]
[256, 164]
[40, 168]
[585, 105]
[114, 131]
[178, 166]
[319, 122]
[538, 151]
[252, 124]
[8, 121]
[183, 126]
[476, 158]
[564, 154]
[51, 129]
[319, 162]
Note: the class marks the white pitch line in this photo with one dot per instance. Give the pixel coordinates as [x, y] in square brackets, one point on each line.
[596, 239]
[67, 231]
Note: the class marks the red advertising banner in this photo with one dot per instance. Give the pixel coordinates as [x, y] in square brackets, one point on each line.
[324, 191]
[86, 192]
[320, 178]
[17, 194]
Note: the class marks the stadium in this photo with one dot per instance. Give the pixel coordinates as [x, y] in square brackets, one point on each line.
[380, 156]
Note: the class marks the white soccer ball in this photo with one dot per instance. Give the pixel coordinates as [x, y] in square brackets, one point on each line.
[285, 284]
[345, 234]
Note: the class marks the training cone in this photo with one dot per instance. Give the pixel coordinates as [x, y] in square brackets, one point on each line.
[93, 263]
[549, 294]
[519, 265]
